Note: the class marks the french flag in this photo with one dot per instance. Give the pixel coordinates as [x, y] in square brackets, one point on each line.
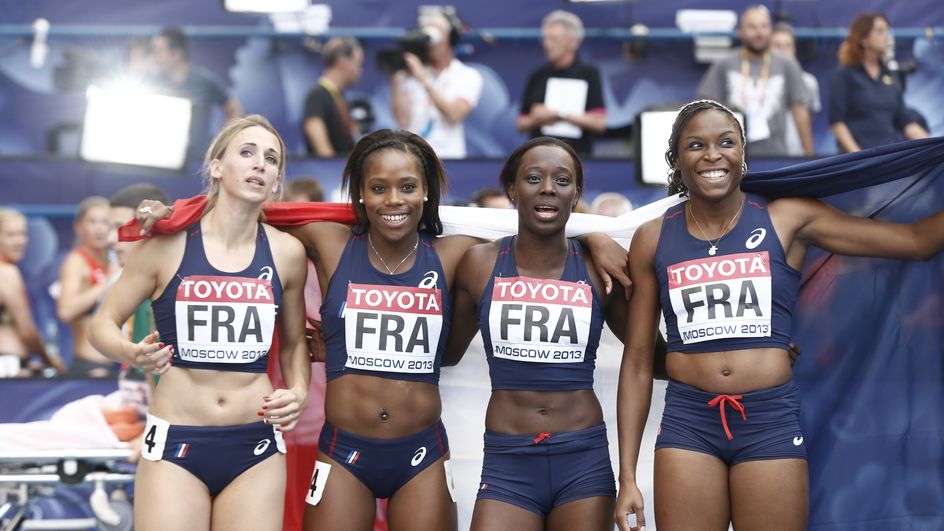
[182, 450]
[353, 456]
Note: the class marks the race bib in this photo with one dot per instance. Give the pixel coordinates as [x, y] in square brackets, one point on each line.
[224, 319]
[540, 320]
[155, 438]
[392, 328]
[721, 297]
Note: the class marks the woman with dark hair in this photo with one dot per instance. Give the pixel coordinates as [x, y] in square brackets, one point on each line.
[212, 447]
[385, 317]
[866, 105]
[724, 269]
[540, 307]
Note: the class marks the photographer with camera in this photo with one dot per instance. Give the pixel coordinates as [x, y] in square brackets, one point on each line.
[433, 95]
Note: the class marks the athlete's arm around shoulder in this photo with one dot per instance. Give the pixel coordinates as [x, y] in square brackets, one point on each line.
[149, 268]
[471, 278]
[634, 391]
[324, 243]
[614, 301]
[806, 221]
[284, 405]
[450, 250]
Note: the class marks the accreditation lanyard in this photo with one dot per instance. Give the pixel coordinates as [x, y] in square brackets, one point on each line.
[341, 104]
[761, 82]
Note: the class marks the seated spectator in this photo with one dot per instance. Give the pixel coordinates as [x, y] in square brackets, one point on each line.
[329, 129]
[304, 189]
[551, 105]
[85, 275]
[866, 104]
[611, 204]
[434, 99]
[490, 198]
[19, 336]
[784, 41]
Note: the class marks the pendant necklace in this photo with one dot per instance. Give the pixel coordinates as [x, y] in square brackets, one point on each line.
[714, 244]
[405, 258]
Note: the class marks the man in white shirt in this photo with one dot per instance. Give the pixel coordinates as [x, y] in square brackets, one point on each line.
[434, 100]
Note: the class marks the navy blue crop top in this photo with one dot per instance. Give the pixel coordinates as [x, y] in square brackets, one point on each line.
[391, 326]
[743, 297]
[540, 334]
[218, 320]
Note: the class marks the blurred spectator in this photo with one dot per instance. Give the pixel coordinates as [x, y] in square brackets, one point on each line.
[139, 64]
[563, 98]
[611, 204]
[175, 76]
[85, 275]
[491, 198]
[329, 129]
[122, 210]
[19, 335]
[304, 189]
[784, 41]
[122, 206]
[434, 100]
[866, 105]
[764, 85]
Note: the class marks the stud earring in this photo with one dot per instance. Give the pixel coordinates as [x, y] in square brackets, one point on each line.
[361, 200]
[425, 198]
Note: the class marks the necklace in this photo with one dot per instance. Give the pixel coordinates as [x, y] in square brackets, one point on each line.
[405, 258]
[714, 244]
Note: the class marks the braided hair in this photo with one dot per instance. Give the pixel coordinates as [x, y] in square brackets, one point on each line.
[686, 113]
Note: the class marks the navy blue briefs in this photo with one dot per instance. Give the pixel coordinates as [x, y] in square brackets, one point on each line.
[754, 426]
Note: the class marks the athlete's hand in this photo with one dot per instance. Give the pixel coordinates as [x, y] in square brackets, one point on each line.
[629, 507]
[610, 260]
[794, 352]
[150, 356]
[150, 212]
[315, 338]
[281, 407]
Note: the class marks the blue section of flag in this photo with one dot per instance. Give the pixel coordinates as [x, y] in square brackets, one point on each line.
[872, 371]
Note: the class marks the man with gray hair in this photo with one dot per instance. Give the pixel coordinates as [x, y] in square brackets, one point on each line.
[764, 85]
[563, 98]
[329, 129]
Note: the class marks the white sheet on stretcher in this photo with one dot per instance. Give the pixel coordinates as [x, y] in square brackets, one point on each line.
[77, 425]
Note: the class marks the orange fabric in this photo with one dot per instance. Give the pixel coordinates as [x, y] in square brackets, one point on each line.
[97, 270]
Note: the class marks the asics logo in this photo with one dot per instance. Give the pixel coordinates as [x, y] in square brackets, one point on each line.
[797, 441]
[261, 447]
[265, 273]
[429, 280]
[757, 236]
[418, 456]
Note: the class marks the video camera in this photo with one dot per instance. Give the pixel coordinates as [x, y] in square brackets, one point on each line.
[417, 40]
